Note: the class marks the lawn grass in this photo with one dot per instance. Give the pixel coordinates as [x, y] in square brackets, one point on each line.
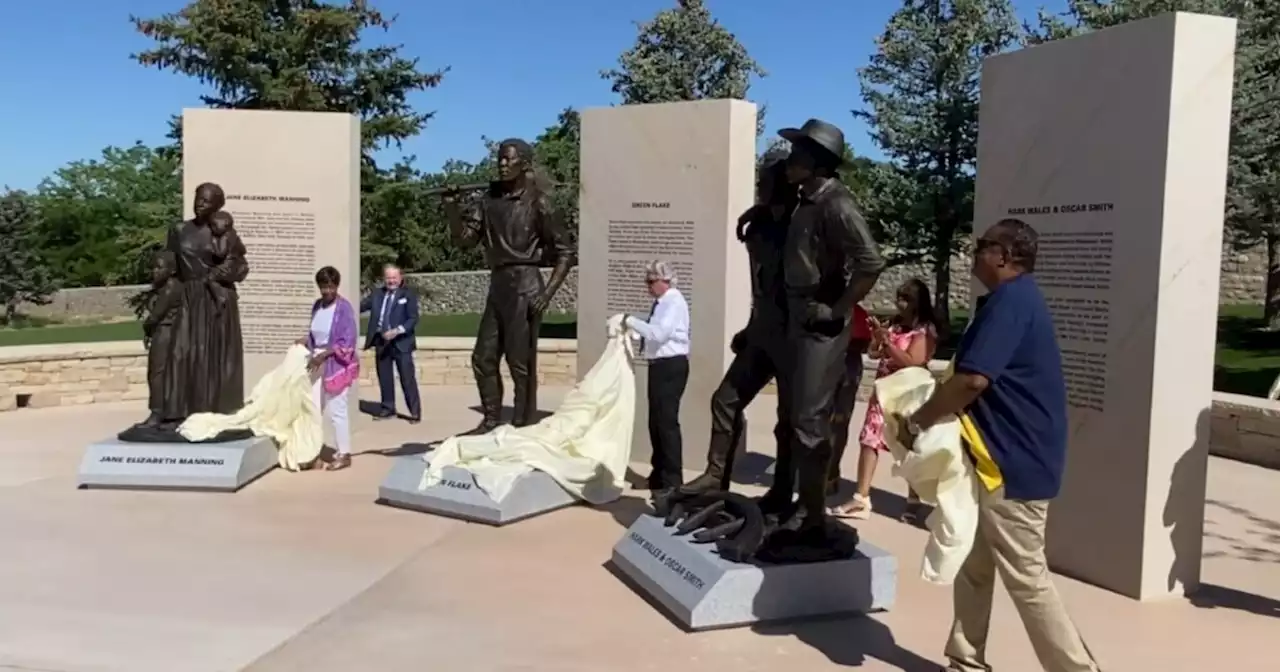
[1247, 360]
[554, 325]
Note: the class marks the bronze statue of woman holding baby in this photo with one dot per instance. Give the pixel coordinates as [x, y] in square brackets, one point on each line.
[197, 359]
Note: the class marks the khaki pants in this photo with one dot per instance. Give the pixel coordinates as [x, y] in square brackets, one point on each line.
[1010, 541]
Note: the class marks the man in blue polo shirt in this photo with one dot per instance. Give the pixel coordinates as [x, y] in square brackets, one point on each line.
[1010, 394]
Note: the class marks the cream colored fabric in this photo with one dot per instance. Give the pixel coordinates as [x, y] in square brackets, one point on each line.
[280, 407]
[937, 470]
[584, 445]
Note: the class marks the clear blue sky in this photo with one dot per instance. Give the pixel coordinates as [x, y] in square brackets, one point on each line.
[70, 88]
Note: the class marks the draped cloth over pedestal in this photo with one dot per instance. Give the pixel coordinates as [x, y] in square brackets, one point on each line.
[280, 407]
[585, 445]
[937, 469]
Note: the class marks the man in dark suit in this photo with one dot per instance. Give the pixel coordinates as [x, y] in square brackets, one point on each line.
[393, 317]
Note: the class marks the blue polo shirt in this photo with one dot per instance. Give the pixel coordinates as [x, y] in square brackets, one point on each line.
[1022, 415]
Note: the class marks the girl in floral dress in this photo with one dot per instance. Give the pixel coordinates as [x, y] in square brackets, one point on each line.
[910, 339]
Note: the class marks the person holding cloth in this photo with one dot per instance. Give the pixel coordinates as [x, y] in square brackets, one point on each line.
[664, 343]
[1008, 389]
[909, 339]
[393, 317]
[335, 364]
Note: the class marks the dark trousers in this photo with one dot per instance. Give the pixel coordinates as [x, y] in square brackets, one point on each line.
[667, 379]
[509, 329]
[390, 361]
[817, 373]
[842, 414]
[750, 370]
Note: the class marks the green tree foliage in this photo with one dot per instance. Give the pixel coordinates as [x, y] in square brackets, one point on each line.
[103, 218]
[558, 151]
[25, 273]
[1252, 209]
[921, 95]
[683, 53]
[302, 55]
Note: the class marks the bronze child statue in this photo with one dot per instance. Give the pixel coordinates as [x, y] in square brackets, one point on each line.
[226, 242]
[157, 330]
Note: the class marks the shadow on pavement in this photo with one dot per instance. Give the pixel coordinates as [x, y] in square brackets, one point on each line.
[850, 641]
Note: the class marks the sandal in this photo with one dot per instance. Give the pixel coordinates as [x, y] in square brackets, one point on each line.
[859, 508]
[339, 463]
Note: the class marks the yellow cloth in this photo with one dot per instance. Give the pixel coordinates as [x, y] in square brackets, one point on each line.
[937, 470]
[988, 471]
[279, 407]
[585, 445]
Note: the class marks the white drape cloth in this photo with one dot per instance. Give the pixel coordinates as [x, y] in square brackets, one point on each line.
[937, 469]
[585, 445]
[280, 407]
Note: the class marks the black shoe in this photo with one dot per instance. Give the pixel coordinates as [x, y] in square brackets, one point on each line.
[384, 414]
[415, 420]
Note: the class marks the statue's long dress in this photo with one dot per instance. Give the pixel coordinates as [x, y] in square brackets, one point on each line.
[206, 370]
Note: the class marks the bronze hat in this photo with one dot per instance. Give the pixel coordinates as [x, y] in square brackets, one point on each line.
[819, 133]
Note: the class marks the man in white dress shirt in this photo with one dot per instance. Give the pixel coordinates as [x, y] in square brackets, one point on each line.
[664, 339]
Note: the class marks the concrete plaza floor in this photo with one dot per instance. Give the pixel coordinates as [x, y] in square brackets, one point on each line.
[303, 572]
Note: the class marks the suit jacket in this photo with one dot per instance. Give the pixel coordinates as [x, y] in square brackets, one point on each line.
[402, 313]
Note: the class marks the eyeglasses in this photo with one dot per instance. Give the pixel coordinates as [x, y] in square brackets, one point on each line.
[650, 281]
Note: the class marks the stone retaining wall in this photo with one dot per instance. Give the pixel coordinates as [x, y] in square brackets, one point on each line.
[1243, 282]
[1242, 428]
[88, 373]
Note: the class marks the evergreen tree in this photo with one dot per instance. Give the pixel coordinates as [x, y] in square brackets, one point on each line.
[302, 55]
[683, 53]
[921, 95]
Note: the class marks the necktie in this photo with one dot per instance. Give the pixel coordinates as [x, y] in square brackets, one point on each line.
[652, 309]
[386, 305]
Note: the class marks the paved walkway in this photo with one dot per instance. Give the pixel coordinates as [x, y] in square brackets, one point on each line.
[302, 572]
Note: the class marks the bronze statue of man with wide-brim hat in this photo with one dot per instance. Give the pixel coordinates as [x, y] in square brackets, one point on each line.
[831, 263]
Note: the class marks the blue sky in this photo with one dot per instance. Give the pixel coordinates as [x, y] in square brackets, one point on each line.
[70, 88]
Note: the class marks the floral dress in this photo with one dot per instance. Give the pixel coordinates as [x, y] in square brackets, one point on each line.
[872, 435]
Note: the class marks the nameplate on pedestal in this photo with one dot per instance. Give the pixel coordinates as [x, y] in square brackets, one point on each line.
[458, 496]
[702, 591]
[225, 467]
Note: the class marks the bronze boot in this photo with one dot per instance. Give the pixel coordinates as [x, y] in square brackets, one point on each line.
[721, 455]
[490, 404]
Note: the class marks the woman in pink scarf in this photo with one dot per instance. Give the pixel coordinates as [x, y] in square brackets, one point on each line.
[334, 361]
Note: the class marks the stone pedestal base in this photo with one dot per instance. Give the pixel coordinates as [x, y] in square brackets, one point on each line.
[222, 467]
[457, 495]
[703, 591]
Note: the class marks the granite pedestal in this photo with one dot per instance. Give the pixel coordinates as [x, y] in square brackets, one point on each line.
[703, 591]
[222, 467]
[458, 496]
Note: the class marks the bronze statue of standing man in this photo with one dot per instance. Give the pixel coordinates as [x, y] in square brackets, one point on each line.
[831, 263]
[519, 229]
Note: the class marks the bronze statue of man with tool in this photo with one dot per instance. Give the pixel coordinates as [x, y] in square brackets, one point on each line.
[515, 221]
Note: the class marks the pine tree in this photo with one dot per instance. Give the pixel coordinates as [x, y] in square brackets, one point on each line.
[683, 53]
[921, 95]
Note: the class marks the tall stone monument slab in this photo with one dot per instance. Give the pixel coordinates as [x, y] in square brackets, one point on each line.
[1113, 145]
[667, 182]
[292, 181]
